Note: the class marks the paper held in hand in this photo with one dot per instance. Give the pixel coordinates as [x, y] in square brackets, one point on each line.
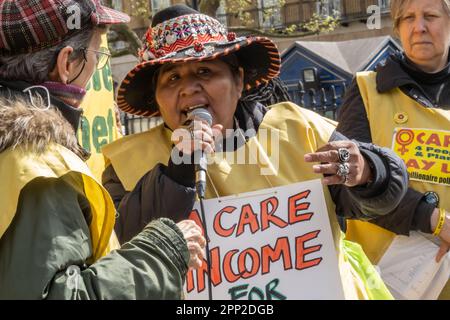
[410, 270]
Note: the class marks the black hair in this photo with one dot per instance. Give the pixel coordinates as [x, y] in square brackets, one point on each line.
[272, 92]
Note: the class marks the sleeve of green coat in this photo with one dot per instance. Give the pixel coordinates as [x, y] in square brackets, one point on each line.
[49, 239]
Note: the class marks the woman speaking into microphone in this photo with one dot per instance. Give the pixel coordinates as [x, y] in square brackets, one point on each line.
[190, 60]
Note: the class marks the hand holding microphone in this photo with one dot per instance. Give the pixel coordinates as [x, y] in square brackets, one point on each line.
[202, 133]
[202, 142]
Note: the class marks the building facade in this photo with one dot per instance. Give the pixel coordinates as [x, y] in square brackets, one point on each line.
[359, 19]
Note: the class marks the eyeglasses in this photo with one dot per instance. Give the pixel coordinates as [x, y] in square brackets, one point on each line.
[102, 55]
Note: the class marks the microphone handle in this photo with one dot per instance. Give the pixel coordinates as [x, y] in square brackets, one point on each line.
[201, 112]
[200, 176]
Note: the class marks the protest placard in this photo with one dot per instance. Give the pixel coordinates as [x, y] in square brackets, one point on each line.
[425, 152]
[271, 244]
[98, 124]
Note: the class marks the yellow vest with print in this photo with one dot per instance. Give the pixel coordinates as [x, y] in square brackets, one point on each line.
[18, 167]
[300, 131]
[388, 114]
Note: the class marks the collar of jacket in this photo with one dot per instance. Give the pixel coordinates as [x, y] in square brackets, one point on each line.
[71, 114]
[392, 75]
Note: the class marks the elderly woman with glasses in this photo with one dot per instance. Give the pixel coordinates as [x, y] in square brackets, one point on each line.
[194, 73]
[57, 236]
[405, 105]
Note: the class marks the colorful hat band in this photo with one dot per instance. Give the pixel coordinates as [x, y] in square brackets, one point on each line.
[165, 39]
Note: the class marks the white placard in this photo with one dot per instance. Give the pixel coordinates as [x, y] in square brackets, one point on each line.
[271, 244]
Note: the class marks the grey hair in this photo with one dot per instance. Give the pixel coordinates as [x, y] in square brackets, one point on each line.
[35, 67]
[398, 7]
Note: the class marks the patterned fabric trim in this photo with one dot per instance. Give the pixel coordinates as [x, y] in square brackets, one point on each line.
[181, 32]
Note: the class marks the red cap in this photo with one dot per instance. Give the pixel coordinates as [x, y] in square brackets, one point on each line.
[32, 25]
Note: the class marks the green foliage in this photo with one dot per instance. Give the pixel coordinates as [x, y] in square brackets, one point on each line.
[291, 29]
[321, 23]
[244, 11]
[239, 9]
[140, 8]
[269, 12]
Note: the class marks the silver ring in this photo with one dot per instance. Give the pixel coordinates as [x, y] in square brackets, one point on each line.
[343, 170]
[343, 155]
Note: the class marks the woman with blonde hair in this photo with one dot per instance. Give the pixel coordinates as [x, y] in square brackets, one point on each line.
[405, 105]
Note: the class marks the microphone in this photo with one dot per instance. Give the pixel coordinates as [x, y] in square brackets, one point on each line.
[201, 113]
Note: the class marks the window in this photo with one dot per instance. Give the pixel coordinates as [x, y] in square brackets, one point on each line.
[328, 7]
[272, 17]
[221, 13]
[117, 4]
[384, 5]
[159, 4]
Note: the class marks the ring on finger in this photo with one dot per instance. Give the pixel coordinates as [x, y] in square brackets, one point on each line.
[343, 169]
[343, 155]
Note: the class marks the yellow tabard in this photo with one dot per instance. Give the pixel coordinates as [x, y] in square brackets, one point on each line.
[420, 136]
[18, 167]
[300, 131]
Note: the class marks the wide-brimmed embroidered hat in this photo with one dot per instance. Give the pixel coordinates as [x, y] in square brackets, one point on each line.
[181, 34]
[33, 25]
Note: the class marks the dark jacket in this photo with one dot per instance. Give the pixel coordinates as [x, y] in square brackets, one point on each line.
[169, 190]
[49, 237]
[431, 91]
